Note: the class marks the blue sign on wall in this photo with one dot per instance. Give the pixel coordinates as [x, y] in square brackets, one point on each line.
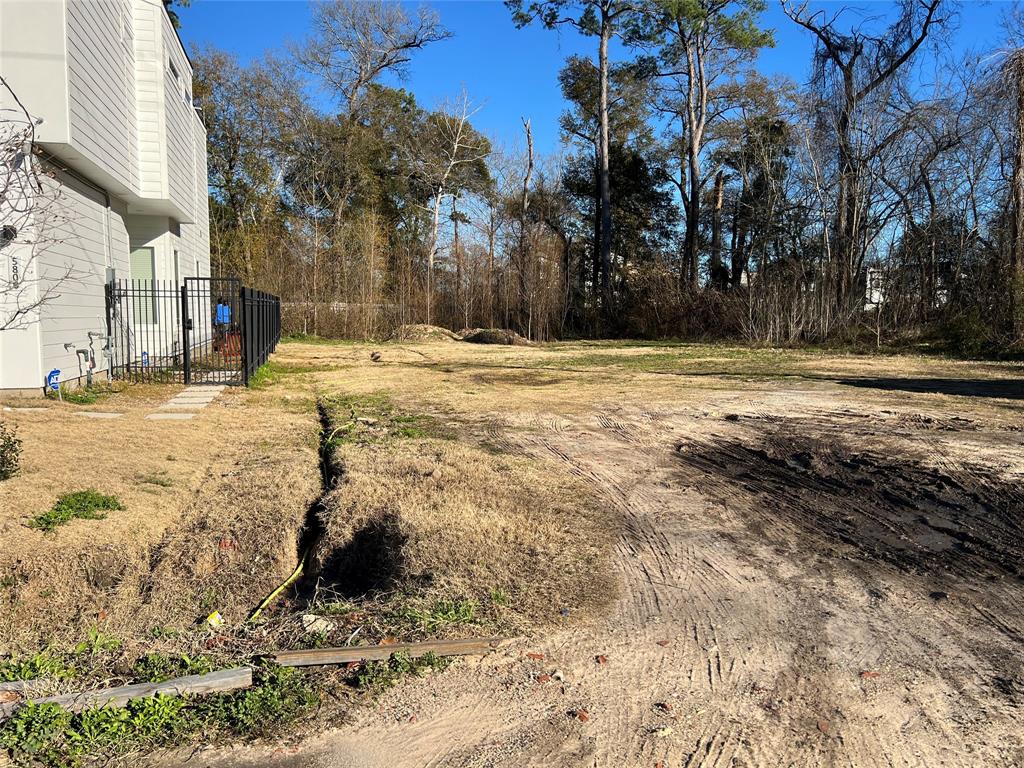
[53, 379]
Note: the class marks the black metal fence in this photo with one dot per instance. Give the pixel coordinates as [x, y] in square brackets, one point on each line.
[261, 321]
[209, 330]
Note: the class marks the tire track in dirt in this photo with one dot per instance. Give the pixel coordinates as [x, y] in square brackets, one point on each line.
[749, 632]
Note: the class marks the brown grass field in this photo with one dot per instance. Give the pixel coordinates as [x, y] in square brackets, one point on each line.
[729, 556]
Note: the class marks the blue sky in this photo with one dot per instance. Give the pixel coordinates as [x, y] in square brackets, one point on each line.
[512, 72]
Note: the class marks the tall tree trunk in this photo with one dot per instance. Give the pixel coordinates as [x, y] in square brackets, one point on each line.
[595, 278]
[604, 178]
[1015, 71]
[716, 230]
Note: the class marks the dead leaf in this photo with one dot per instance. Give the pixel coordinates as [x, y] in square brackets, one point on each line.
[869, 674]
[601, 660]
[662, 643]
[582, 715]
[6, 696]
[352, 665]
[543, 678]
[823, 726]
[664, 706]
[535, 656]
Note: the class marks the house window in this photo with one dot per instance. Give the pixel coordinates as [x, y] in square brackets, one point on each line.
[143, 269]
[174, 69]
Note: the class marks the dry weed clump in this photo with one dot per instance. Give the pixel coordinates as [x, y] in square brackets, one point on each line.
[446, 535]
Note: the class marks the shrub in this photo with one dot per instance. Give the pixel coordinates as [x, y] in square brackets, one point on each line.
[10, 452]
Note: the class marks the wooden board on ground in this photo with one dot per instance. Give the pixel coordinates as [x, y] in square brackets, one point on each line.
[321, 656]
[212, 682]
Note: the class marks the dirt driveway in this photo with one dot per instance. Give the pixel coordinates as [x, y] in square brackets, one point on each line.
[814, 571]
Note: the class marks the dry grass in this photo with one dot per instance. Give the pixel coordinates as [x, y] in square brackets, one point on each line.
[427, 522]
[204, 521]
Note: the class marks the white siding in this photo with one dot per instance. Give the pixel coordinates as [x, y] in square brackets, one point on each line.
[149, 73]
[179, 122]
[101, 88]
[77, 262]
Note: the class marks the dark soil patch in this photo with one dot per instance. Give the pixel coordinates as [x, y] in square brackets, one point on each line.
[867, 504]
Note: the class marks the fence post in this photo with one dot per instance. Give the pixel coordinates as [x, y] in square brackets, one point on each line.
[243, 295]
[186, 351]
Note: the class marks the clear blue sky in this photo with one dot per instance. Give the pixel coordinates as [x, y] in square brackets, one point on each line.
[512, 72]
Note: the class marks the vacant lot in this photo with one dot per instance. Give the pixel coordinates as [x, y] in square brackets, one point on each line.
[815, 559]
[818, 560]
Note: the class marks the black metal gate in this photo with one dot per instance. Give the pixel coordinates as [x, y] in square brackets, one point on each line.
[210, 330]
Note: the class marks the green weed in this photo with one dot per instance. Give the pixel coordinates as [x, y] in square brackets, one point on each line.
[43, 664]
[378, 676]
[157, 667]
[81, 505]
[80, 395]
[443, 613]
[97, 642]
[45, 735]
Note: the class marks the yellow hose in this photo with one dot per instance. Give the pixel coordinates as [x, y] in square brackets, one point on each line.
[287, 583]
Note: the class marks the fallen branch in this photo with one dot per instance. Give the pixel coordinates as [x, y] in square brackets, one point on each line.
[212, 682]
[321, 656]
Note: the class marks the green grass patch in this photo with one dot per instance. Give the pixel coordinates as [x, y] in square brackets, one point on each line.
[307, 338]
[45, 735]
[378, 676]
[81, 395]
[373, 419]
[272, 372]
[77, 505]
[692, 360]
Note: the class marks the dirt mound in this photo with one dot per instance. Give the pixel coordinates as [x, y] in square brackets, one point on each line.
[495, 336]
[422, 332]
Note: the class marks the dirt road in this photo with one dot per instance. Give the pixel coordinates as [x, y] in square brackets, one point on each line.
[810, 576]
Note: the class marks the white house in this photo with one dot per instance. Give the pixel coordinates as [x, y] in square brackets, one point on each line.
[122, 176]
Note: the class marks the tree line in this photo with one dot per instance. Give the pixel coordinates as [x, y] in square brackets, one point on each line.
[883, 199]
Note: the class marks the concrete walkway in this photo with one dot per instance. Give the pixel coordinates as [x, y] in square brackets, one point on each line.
[184, 405]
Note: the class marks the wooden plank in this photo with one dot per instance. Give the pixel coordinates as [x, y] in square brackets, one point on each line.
[212, 682]
[323, 656]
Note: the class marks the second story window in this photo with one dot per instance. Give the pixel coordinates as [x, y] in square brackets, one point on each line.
[174, 69]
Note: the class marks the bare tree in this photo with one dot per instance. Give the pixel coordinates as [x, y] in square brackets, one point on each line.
[449, 160]
[31, 218]
[357, 41]
[853, 67]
